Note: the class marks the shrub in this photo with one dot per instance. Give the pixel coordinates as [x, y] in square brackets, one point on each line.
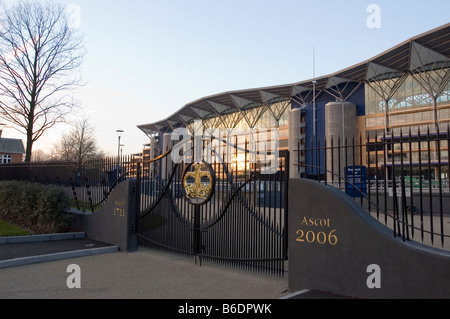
[33, 205]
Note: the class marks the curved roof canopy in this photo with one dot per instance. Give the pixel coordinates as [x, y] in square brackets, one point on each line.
[424, 52]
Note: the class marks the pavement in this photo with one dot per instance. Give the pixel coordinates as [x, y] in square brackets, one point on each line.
[34, 267]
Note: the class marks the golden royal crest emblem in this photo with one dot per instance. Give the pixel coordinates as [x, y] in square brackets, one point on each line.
[198, 183]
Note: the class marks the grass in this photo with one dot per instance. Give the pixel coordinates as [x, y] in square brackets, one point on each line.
[7, 230]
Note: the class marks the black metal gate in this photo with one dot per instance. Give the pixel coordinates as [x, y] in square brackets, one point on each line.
[242, 222]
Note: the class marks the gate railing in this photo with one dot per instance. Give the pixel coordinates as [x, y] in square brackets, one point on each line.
[400, 179]
[243, 223]
[88, 184]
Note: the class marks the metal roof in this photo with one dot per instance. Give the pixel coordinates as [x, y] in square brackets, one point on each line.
[430, 47]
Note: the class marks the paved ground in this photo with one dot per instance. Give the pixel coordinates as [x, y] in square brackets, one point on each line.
[22, 250]
[142, 274]
[37, 268]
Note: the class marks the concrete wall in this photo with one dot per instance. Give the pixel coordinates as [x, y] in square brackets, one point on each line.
[114, 222]
[334, 245]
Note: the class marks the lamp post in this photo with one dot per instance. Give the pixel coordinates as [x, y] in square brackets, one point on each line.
[119, 134]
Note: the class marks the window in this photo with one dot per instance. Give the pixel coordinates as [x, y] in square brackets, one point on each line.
[5, 159]
[409, 94]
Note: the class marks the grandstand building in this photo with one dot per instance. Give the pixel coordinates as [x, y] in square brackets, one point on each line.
[402, 91]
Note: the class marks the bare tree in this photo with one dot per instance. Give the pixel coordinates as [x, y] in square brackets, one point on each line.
[40, 55]
[79, 144]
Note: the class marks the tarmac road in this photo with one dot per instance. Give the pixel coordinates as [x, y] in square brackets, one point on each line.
[144, 274]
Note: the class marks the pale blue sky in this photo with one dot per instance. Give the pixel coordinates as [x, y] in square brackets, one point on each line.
[147, 59]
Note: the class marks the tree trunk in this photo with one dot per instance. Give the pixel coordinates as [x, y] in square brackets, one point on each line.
[30, 141]
[29, 147]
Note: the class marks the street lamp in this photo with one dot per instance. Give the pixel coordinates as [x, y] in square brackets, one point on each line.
[121, 149]
[119, 133]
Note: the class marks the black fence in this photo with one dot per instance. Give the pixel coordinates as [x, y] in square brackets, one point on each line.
[401, 178]
[87, 184]
[243, 222]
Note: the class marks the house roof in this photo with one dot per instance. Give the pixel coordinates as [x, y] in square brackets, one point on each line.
[11, 146]
[430, 49]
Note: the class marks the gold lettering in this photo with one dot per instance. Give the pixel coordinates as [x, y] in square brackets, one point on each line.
[324, 238]
[318, 222]
[301, 233]
[304, 221]
[119, 203]
[320, 237]
[119, 212]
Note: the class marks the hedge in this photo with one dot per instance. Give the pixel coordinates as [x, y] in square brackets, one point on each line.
[35, 206]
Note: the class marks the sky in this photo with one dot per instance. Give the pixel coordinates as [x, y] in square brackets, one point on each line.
[146, 59]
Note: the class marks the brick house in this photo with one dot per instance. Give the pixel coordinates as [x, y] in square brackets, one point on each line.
[11, 150]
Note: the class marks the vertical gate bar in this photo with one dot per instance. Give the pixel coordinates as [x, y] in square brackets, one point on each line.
[385, 174]
[95, 166]
[448, 159]
[420, 182]
[286, 210]
[225, 190]
[332, 161]
[353, 165]
[441, 213]
[235, 214]
[256, 177]
[178, 202]
[214, 207]
[367, 177]
[411, 181]
[298, 159]
[430, 186]
[239, 207]
[394, 186]
[251, 249]
[310, 155]
[325, 150]
[227, 198]
[278, 208]
[314, 158]
[319, 156]
[195, 237]
[403, 191]
[345, 156]
[138, 197]
[339, 162]
[243, 224]
[376, 174]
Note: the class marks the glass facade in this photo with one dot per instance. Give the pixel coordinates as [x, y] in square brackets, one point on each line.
[403, 91]
[409, 95]
[262, 116]
[411, 102]
[418, 105]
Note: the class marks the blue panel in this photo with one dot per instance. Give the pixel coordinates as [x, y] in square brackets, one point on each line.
[359, 99]
[315, 159]
[356, 181]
